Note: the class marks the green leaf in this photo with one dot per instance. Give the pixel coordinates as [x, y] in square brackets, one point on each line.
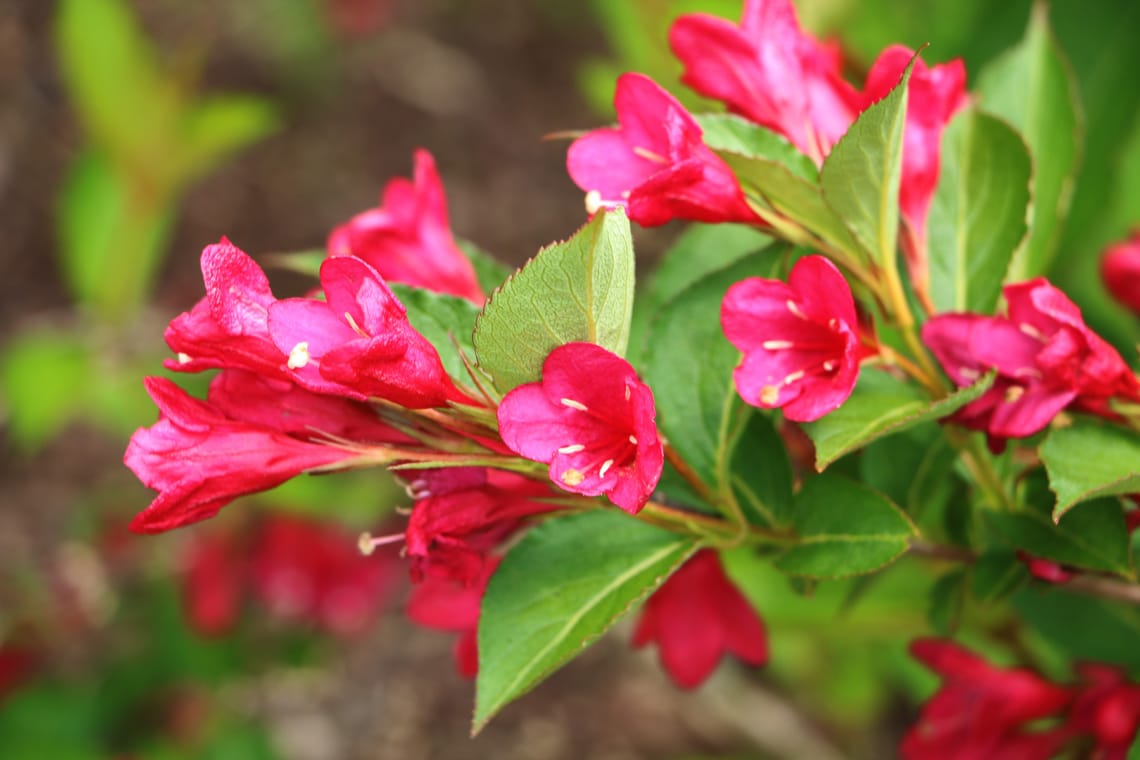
[844, 528]
[306, 263]
[761, 473]
[558, 590]
[881, 405]
[216, 127]
[978, 213]
[1091, 536]
[689, 364]
[577, 290]
[1089, 459]
[861, 175]
[446, 321]
[726, 132]
[44, 382]
[1084, 627]
[771, 186]
[997, 574]
[1032, 87]
[489, 271]
[947, 598]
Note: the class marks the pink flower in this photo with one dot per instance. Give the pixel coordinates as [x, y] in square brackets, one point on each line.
[358, 342]
[229, 327]
[448, 605]
[1046, 359]
[213, 581]
[200, 460]
[1120, 271]
[800, 339]
[461, 514]
[697, 617]
[408, 238]
[655, 162]
[592, 419]
[934, 95]
[982, 711]
[767, 70]
[1107, 706]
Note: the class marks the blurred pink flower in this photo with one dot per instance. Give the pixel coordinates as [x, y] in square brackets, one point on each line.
[448, 605]
[592, 419]
[1120, 271]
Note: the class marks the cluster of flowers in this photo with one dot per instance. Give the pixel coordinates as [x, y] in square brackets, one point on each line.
[985, 711]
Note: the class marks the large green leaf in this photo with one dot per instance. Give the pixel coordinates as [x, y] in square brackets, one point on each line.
[1091, 535]
[1084, 627]
[761, 472]
[446, 321]
[881, 405]
[861, 175]
[978, 213]
[689, 364]
[844, 528]
[577, 290]
[557, 590]
[726, 132]
[1032, 87]
[1089, 459]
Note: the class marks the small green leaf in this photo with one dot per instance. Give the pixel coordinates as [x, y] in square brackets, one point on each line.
[216, 127]
[1032, 87]
[445, 320]
[689, 364]
[879, 406]
[307, 262]
[558, 590]
[489, 271]
[577, 290]
[947, 597]
[861, 175]
[1091, 535]
[844, 528]
[978, 214]
[1084, 627]
[997, 574]
[726, 132]
[761, 473]
[44, 382]
[1089, 459]
[769, 185]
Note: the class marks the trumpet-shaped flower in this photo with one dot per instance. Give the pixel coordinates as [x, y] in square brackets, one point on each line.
[800, 339]
[696, 617]
[655, 162]
[592, 419]
[408, 237]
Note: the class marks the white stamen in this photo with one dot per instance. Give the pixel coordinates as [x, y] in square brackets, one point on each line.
[969, 374]
[355, 327]
[795, 309]
[830, 365]
[1032, 332]
[833, 323]
[299, 356]
[573, 448]
[575, 405]
[593, 202]
[776, 345]
[633, 440]
[184, 358]
[606, 465]
[769, 395]
[649, 155]
[628, 393]
[367, 544]
[797, 375]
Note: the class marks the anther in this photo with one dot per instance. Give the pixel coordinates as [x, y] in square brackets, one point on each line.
[830, 365]
[776, 345]
[355, 327]
[593, 202]
[575, 405]
[1013, 393]
[572, 478]
[1032, 332]
[573, 448]
[368, 544]
[633, 440]
[299, 356]
[769, 395]
[969, 373]
[184, 358]
[794, 308]
[797, 375]
[606, 465]
[649, 155]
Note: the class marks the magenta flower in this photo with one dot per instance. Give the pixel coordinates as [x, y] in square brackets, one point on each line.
[199, 460]
[592, 419]
[1107, 707]
[697, 617]
[1120, 271]
[800, 339]
[767, 70]
[448, 605]
[358, 342]
[655, 162]
[934, 95]
[982, 711]
[229, 327]
[1045, 356]
[408, 237]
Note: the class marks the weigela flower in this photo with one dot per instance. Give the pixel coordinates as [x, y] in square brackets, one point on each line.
[448, 605]
[655, 162]
[696, 617]
[1107, 706]
[358, 342]
[460, 514]
[408, 238]
[1120, 271]
[800, 339]
[17, 665]
[981, 710]
[199, 460]
[229, 327]
[1046, 360]
[767, 70]
[213, 581]
[592, 419]
[934, 95]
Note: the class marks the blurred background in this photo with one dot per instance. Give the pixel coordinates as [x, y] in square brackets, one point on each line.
[134, 132]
